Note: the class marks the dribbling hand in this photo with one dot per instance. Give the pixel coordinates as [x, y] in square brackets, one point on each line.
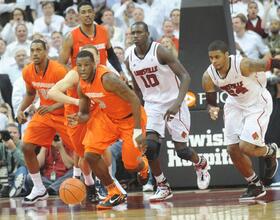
[21, 118]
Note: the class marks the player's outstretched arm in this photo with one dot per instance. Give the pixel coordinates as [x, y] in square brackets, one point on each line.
[249, 66]
[113, 84]
[211, 96]
[84, 107]
[66, 49]
[57, 92]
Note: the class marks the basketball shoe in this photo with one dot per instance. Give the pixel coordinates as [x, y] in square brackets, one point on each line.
[35, 195]
[114, 198]
[163, 192]
[143, 175]
[271, 162]
[203, 176]
[254, 191]
[91, 194]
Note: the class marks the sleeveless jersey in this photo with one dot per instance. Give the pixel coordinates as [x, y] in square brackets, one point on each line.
[42, 82]
[243, 91]
[157, 82]
[100, 41]
[111, 104]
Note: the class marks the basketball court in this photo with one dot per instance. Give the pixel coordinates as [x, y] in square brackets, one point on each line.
[212, 204]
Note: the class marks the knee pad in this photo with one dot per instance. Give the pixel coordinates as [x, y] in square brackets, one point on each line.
[153, 149]
[185, 153]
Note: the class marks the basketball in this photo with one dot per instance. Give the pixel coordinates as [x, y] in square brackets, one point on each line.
[72, 191]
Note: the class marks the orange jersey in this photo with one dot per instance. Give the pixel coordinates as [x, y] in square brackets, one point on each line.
[111, 104]
[43, 81]
[100, 41]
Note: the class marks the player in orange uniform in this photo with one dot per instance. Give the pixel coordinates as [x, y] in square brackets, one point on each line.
[120, 117]
[40, 76]
[89, 33]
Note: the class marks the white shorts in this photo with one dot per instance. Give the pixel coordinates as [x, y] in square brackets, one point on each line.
[248, 124]
[178, 127]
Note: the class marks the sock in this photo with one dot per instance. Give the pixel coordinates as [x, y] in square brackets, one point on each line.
[254, 179]
[37, 181]
[201, 162]
[113, 189]
[161, 178]
[76, 171]
[119, 186]
[269, 151]
[88, 179]
[110, 171]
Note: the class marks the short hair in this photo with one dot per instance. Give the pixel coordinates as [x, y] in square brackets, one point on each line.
[12, 125]
[173, 10]
[85, 53]
[44, 3]
[21, 24]
[218, 45]
[90, 46]
[118, 47]
[143, 24]
[22, 12]
[107, 9]
[39, 41]
[242, 17]
[83, 3]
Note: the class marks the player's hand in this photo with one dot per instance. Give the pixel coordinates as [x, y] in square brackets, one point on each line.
[214, 112]
[139, 140]
[172, 111]
[43, 109]
[72, 119]
[21, 118]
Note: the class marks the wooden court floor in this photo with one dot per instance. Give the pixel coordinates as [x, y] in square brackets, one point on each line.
[220, 204]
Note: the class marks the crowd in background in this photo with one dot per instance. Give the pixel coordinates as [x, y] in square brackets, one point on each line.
[256, 26]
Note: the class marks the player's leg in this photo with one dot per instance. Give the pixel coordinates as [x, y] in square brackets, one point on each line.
[178, 128]
[38, 133]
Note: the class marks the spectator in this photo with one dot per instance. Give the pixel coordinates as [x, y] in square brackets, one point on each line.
[250, 42]
[71, 19]
[6, 109]
[168, 44]
[119, 51]
[18, 17]
[273, 40]
[168, 31]
[3, 45]
[49, 22]
[21, 41]
[175, 18]
[254, 22]
[56, 44]
[6, 89]
[124, 13]
[56, 165]
[11, 157]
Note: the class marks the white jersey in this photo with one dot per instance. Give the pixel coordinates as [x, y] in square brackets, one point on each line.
[157, 82]
[243, 91]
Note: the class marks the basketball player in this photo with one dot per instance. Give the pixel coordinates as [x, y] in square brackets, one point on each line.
[40, 76]
[120, 117]
[163, 83]
[89, 33]
[246, 112]
[77, 132]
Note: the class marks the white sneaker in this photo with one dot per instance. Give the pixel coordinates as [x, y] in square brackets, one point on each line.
[18, 185]
[148, 188]
[203, 176]
[163, 193]
[35, 196]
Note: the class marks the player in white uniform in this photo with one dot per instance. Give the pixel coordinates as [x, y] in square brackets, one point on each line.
[246, 112]
[162, 82]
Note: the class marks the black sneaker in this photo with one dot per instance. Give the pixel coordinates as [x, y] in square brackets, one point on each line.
[271, 162]
[33, 198]
[253, 192]
[91, 194]
[111, 201]
[4, 193]
[100, 190]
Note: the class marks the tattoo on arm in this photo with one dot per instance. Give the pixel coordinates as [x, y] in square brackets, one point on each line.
[249, 66]
[207, 83]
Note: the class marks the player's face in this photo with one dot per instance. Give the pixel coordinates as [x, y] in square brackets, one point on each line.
[86, 15]
[38, 53]
[85, 68]
[218, 59]
[139, 35]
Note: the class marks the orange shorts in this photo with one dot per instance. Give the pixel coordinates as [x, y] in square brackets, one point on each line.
[42, 129]
[76, 135]
[103, 131]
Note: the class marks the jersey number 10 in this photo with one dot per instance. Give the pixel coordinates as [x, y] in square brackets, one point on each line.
[150, 80]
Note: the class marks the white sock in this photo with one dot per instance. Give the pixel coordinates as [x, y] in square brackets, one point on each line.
[160, 178]
[251, 178]
[37, 182]
[76, 171]
[88, 179]
[110, 171]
